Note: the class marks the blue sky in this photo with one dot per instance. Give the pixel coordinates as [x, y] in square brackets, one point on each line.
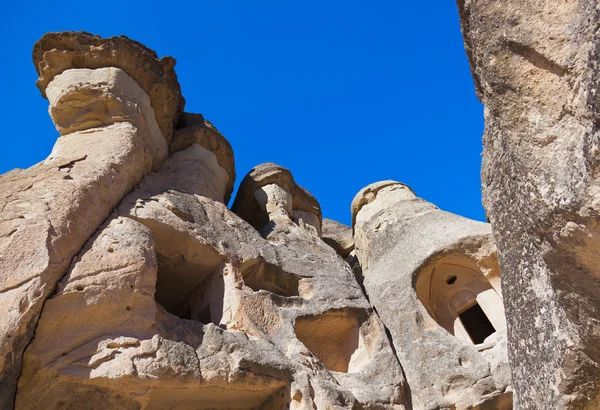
[342, 93]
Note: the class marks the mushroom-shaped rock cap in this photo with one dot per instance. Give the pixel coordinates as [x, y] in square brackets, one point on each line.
[194, 129]
[246, 206]
[57, 52]
[369, 193]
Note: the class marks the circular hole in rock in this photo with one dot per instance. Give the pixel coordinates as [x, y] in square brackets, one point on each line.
[451, 279]
[79, 288]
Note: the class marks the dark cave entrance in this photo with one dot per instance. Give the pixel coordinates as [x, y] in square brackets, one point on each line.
[476, 323]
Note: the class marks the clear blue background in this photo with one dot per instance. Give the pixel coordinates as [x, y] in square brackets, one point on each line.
[344, 93]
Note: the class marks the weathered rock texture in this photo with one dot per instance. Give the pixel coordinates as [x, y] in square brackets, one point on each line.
[178, 294]
[194, 129]
[160, 296]
[127, 283]
[57, 52]
[110, 139]
[338, 236]
[332, 319]
[295, 201]
[423, 268]
[536, 69]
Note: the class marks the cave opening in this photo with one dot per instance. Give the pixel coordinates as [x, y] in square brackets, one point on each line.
[190, 291]
[261, 275]
[476, 323]
[461, 298]
[336, 339]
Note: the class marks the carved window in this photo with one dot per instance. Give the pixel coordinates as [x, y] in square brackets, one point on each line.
[461, 298]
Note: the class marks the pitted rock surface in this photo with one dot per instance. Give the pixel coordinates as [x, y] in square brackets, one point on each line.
[536, 70]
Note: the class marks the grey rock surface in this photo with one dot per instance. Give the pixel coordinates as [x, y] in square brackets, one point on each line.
[536, 70]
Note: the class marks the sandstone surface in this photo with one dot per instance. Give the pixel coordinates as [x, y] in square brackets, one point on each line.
[57, 52]
[200, 304]
[194, 129]
[301, 202]
[338, 236]
[110, 140]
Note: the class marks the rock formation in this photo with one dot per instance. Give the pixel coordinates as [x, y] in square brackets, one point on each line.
[536, 70]
[434, 279]
[128, 283]
[110, 138]
[158, 296]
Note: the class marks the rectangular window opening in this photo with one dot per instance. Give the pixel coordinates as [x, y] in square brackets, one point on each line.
[477, 324]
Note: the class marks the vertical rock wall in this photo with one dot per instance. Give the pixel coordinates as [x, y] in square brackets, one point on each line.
[536, 70]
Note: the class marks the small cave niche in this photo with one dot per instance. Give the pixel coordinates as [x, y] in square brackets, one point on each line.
[461, 298]
[336, 339]
[193, 291]
[261, 275]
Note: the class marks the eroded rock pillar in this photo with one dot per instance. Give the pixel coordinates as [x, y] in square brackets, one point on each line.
[110, 138]
[535, 66]
[425, 272]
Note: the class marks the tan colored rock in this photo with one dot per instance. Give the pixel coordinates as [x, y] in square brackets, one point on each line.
[369, 193]
[57, 52]
[127, 283]
[335, 328]
[104, 342]
[535, 66]
[166, 298]
[199, 303]
[193, 170]
[434, 279]
[247, 206]
[49, 211]
[338, 236]
[194, 129]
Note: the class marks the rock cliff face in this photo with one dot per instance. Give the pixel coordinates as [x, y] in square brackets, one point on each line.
[128, 283]
[536, 69]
